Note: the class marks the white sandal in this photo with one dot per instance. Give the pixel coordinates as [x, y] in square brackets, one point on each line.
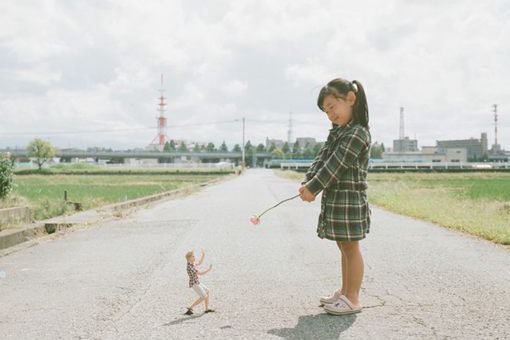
[325, 300]
[341, 307]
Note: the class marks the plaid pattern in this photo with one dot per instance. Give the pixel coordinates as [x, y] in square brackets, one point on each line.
[192, 273]
[340, 171]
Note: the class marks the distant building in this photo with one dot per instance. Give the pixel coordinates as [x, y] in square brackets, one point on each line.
[485, 143]
[140, 161]
[154, 147]
[476, 148]
[496, 149]
[428, 149]
[304, 141]
[277, 143]
[427, 154]
[405, 145]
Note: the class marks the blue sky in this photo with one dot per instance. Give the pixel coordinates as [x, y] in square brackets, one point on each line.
[69, 68]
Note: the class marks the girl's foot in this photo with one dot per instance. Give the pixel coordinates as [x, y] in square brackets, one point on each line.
[209, 310]
[189, 312]
[330, 299]
[342, 306]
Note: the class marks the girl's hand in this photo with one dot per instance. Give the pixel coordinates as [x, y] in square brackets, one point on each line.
[306, 195]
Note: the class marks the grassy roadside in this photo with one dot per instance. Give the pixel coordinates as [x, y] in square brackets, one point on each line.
[89, 169]
[475, 203]
[45, 193]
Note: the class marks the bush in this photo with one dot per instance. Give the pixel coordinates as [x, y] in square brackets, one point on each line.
[6, 177]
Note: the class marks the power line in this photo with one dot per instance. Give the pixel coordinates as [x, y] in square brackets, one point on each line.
[50, 133]
[97, 131]
[105, 130]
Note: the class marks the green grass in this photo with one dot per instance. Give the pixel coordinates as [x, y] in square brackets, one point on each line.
[475, 203]
[90, 169]
[45, 194]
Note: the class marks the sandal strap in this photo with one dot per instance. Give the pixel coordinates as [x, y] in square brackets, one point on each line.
[347, 302]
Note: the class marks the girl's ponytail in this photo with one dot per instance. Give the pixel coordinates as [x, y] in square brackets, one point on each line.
[360, 108]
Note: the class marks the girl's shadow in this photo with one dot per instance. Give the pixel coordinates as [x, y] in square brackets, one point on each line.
[183, 319]
[320, 326]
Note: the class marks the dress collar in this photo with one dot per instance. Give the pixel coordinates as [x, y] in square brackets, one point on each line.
[340, 127]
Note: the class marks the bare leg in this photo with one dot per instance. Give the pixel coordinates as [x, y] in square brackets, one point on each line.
[343, 289]
[355, 269]
[207, 301]
[196, 303]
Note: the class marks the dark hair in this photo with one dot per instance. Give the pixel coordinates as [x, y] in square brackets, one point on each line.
[339, 88]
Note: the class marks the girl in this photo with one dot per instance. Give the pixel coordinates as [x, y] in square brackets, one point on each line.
[340, 172]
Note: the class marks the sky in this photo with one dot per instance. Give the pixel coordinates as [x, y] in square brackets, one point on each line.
[87, 73]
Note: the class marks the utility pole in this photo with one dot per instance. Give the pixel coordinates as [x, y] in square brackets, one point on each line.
[401, 133]
[289, 132]
[495, 107]
[242, 162]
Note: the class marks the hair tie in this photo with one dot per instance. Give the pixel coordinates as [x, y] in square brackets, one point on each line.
[354, 87]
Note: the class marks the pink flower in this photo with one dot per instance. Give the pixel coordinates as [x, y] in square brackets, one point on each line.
[255, 220]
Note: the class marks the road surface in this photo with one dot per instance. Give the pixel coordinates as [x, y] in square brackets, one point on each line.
[126, 279]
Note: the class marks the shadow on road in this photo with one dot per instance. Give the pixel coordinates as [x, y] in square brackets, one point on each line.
[320, 326]
[181, 320]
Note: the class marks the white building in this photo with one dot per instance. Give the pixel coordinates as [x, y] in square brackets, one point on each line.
[427, 154]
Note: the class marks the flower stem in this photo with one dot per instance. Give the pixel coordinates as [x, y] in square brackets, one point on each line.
[274, 206]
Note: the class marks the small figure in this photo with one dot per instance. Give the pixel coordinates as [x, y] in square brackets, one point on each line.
[199, 288]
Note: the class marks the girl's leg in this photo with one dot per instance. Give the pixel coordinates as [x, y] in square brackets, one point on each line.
[196, 303]
[343, 289]
[207, 301]
[355, 268]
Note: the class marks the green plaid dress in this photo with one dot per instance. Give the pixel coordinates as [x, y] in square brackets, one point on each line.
[340, 171]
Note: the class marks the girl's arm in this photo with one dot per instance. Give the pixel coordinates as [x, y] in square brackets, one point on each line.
[205, 271]
[317, 163]
[201, 259]
[340, 160]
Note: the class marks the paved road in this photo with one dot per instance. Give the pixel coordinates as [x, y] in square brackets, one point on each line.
[126, 279]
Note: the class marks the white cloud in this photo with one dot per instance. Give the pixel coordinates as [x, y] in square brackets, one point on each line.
[96, 65]
[235, 88]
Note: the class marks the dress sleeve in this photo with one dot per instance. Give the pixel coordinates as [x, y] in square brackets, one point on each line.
[343, 157]
[316, 164]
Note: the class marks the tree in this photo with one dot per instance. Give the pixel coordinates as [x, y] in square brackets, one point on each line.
[316, 149]
[296, 150]
[376, 151]
[261, 148]
[272, 147]
[6, 177]
[308, 153]
[223, 147]
[169, 146]
[248, 146]
[196, 148]
[236, 148]
[183, 147]
[41, 150]
[210, 147]
[286, 148]
[249, 152]
[277, 153]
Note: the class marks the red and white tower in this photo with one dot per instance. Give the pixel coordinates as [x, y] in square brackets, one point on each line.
[160, 140]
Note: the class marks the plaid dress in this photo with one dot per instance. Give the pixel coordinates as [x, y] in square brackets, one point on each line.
[340, 171]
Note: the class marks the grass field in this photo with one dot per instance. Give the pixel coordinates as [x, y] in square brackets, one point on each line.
[45, 193]
[475, 203]
[86, 169]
